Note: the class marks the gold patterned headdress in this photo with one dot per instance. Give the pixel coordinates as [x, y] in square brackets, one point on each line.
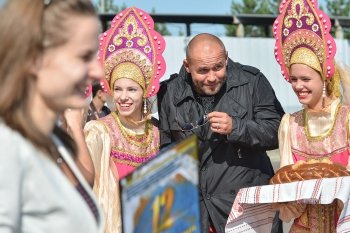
[132, 49]
[302, 36]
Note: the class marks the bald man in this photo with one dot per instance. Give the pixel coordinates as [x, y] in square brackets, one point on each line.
[235, 114]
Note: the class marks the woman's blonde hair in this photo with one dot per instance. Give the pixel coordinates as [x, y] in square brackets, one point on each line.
[333, 85]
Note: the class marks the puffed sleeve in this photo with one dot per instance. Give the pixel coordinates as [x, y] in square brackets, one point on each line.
[284, 141]
[106, 186]
[344, 71]
[345, 85]
[348, 127]
[99, 145]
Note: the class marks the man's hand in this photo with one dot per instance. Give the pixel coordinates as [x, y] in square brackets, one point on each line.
[74, 120]
[220, 122]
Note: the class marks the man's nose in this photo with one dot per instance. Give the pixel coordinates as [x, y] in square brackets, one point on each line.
[211, 76]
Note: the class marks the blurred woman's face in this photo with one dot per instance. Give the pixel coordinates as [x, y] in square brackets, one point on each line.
[68, 69]
[128, 97]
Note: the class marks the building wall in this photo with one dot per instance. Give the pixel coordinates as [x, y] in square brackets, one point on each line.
[256, 52]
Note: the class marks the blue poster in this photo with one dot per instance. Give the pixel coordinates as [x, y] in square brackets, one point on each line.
[162, 195]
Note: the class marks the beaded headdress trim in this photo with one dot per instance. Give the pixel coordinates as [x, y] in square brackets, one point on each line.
[133, 40]
[301, 24]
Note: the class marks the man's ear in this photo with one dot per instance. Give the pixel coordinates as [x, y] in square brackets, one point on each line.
[186, 65]
[99, 93]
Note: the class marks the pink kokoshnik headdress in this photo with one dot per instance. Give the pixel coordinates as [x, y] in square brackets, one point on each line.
[302, 36]
[132, 49]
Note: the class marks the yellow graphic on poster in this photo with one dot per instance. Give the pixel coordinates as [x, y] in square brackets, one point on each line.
[162, 195]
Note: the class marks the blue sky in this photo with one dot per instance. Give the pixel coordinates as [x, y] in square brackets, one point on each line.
[218, 7]
[214, 7]
[211, 7]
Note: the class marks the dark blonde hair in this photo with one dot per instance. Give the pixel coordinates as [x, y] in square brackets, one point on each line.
[28, 27]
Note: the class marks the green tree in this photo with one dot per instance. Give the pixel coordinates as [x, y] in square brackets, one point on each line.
[109, 6]
[252, 7]
[181, 33]
[339, 8]
[161, 27]
[275, 5]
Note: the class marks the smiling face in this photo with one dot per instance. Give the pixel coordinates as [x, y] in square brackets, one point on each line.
[307, 84]
[206, 62]
[128, 96]
[66, 70]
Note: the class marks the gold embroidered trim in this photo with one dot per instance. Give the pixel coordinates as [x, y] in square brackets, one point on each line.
[130, 71]
[139, 140]
[320, 156]
[135, 153]
[127, 162]
[320, 137]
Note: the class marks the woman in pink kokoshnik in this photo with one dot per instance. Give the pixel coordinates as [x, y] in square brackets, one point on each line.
[131, 54]
[305, 51]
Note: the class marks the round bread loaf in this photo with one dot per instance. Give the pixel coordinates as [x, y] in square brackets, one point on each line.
[307, 171]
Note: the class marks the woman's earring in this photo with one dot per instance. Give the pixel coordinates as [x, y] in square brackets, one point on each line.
[145, 106]
[324, 94]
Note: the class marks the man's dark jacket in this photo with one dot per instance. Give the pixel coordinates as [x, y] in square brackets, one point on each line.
[227, 163]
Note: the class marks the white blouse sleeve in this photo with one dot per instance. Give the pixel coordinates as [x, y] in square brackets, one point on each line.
[284, 141]
[12, 175]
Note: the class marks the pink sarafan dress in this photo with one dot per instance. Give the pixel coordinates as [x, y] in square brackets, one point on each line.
[316, 135]
[306, 135]
[116, 151]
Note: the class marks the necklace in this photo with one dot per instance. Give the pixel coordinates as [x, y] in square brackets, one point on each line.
[142, 140]
[320, 137]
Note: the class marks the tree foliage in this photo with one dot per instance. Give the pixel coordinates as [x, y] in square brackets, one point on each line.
[333, 8]
[252, 7]
[339, 8]
[109, 6]
[161, 28]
